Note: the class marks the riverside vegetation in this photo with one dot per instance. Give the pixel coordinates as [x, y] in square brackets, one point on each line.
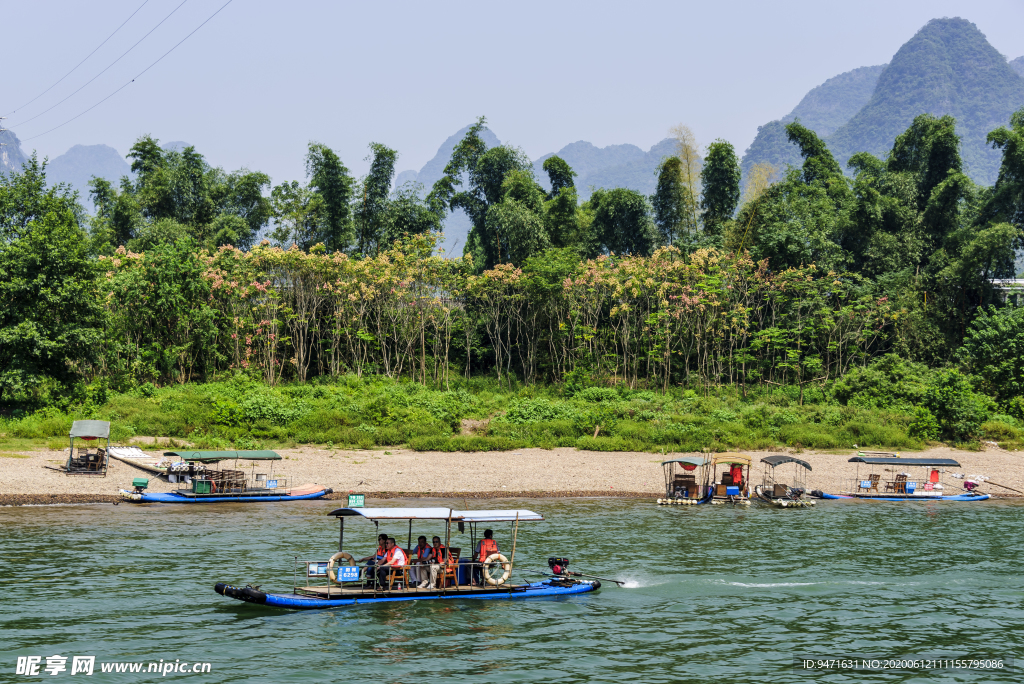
[812, 310]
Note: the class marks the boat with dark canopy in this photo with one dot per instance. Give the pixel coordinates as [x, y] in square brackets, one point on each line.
[774, 491]
[199, 483]
[900, 483]
[687, 481]
[338, 581]
[90, 460]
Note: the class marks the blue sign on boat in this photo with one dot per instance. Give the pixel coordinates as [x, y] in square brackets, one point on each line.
[271, 484]
[348, 573]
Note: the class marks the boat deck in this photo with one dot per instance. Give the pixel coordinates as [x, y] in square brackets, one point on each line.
[357, 591]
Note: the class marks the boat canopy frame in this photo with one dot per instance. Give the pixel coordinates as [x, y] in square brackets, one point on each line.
[775, 461]
[93, 464]
[448, 515]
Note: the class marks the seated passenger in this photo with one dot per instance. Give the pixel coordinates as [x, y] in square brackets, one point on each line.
[370, 561]
[484, 548]
[394, 559]
[420, 557]
[438, 557]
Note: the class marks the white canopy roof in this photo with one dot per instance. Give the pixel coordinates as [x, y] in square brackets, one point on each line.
[437, 514]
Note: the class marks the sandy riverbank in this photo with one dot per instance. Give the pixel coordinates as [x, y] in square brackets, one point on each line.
[525, 473]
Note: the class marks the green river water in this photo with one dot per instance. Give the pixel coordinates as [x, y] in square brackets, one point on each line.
[715, 594]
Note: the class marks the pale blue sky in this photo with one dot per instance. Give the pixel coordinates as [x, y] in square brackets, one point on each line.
[261, 79]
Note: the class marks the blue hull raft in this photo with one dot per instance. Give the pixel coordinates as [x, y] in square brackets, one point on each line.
[300, 602]
[179, 499]
[910, 497]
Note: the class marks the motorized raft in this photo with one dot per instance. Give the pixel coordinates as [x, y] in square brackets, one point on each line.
[199, 482]
[339, 581]
[775, 491]
[910, 479]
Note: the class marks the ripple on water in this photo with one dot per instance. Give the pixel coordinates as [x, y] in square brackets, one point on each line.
[711, 592]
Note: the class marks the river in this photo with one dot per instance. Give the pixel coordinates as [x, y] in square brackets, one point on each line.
[714, 593]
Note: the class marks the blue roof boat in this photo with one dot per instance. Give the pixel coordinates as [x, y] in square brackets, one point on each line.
[340, 581]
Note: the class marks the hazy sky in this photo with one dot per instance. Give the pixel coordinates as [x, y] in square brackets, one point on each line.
[262, 78]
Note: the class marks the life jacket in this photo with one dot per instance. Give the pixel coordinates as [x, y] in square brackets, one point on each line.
[440, 555]
[487, 547]
[395, 557]
[381, 552]
[423, 553]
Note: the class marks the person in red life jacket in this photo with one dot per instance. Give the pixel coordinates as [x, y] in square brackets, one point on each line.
[420, 557]
[438, 557]
[394, 559]
[484, 548]
[382, 542]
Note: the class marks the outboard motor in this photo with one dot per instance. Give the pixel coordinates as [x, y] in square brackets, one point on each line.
[559, 566]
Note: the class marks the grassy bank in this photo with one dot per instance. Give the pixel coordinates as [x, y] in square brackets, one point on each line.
[481, 415]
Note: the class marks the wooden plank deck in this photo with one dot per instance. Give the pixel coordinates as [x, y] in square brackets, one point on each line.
[360, 591]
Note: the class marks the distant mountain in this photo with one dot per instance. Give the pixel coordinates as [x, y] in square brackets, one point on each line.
[175, 146]
[1018, 65]
[11, 155]
[615, 166]
[824, 109]
[78, 165]
[434, 169]
[948, 67]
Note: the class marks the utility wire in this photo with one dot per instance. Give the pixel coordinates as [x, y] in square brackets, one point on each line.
[22, 123]
[82, 62]
[137, 75]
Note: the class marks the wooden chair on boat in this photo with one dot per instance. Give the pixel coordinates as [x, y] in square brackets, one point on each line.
[873, 479]
[401, 573]
[450, 569]
[899, 486]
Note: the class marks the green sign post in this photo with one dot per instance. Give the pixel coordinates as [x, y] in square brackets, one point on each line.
[356, 500]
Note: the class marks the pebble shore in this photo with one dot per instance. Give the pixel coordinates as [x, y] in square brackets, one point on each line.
[527, 473]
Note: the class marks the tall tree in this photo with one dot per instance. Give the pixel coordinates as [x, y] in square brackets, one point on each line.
[333, 185]
[559, 173]
[672, 211]
[1007, 203]
[50, 312]
[485, 170]
[720, 182]
[372, 206]
[690, 162]
[622, 218]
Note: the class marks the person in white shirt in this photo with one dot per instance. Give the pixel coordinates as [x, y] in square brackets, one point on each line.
[394, 559]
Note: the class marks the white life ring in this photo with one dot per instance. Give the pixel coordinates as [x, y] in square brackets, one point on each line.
[340, 556]
[506, 566]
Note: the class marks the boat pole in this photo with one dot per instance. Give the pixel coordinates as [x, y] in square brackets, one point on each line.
[341, 533]
[448, 555]
[1001, 485]
[512, 559]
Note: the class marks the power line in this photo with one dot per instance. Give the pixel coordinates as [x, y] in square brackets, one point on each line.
[137, 75]
[22, 123]
[82, 62]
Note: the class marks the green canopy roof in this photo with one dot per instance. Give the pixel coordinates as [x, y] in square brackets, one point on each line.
[90, 429]
[215, 456]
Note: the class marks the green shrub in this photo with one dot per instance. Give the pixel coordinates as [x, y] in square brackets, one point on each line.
[956, 407]
[924, 426]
